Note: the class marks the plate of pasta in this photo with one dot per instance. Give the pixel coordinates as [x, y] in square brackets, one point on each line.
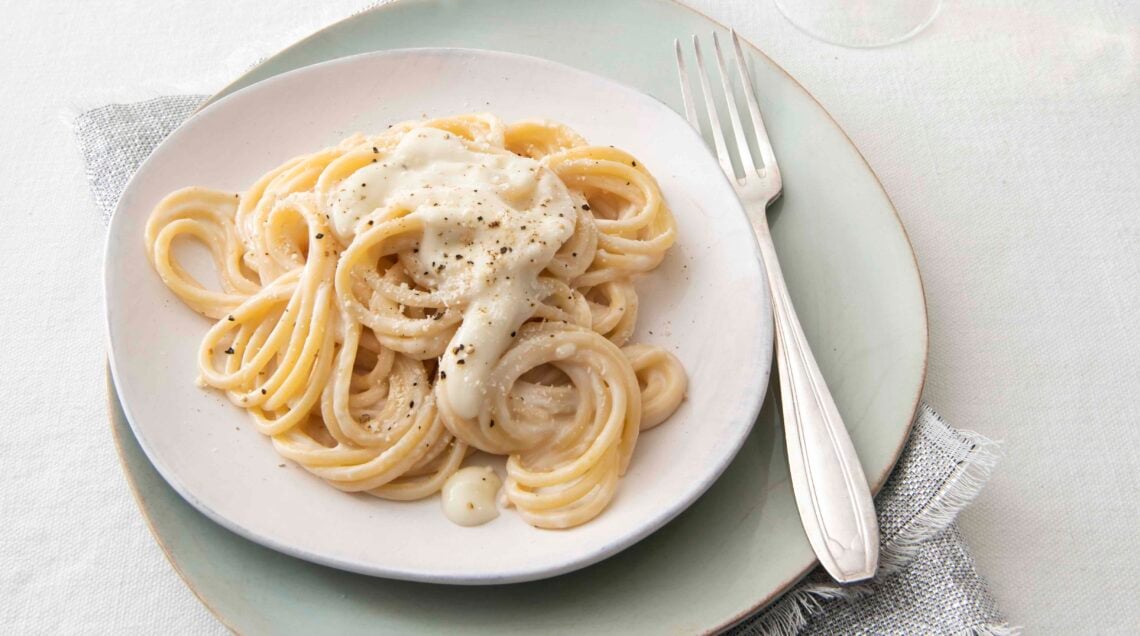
[441, 315]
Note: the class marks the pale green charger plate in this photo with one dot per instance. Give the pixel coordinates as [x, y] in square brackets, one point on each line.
[852, 276]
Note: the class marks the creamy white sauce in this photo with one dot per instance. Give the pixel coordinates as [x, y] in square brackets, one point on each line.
[492, 222]
[469, 495]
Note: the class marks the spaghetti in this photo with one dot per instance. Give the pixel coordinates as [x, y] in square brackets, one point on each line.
[395, 302]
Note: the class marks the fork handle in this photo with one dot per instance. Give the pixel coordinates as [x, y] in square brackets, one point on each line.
[831, 491]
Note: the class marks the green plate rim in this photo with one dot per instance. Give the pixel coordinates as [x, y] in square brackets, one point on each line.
[876, 482]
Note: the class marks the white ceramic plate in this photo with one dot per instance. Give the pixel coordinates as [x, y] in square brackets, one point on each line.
[707, 302]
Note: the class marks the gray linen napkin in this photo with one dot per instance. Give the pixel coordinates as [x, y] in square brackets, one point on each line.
[927, 582]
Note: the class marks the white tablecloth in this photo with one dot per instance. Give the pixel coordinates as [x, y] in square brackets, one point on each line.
[1008, 135]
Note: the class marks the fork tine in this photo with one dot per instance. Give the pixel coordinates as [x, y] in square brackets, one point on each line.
[714, 119]
[726, 83]
[686, 93]
[767, 156]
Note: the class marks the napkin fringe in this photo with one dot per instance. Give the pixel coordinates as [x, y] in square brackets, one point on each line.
[980, 456]
[977, 456]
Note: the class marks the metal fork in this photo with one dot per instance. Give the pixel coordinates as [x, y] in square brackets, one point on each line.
[831, 491]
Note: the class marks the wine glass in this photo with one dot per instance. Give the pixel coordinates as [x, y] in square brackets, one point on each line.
[860, 23]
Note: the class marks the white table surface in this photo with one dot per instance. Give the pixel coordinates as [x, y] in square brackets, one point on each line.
[1008, 135]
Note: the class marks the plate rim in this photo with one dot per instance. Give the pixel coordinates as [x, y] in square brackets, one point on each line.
[110, 400]
[747, 414]
[876, 482]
